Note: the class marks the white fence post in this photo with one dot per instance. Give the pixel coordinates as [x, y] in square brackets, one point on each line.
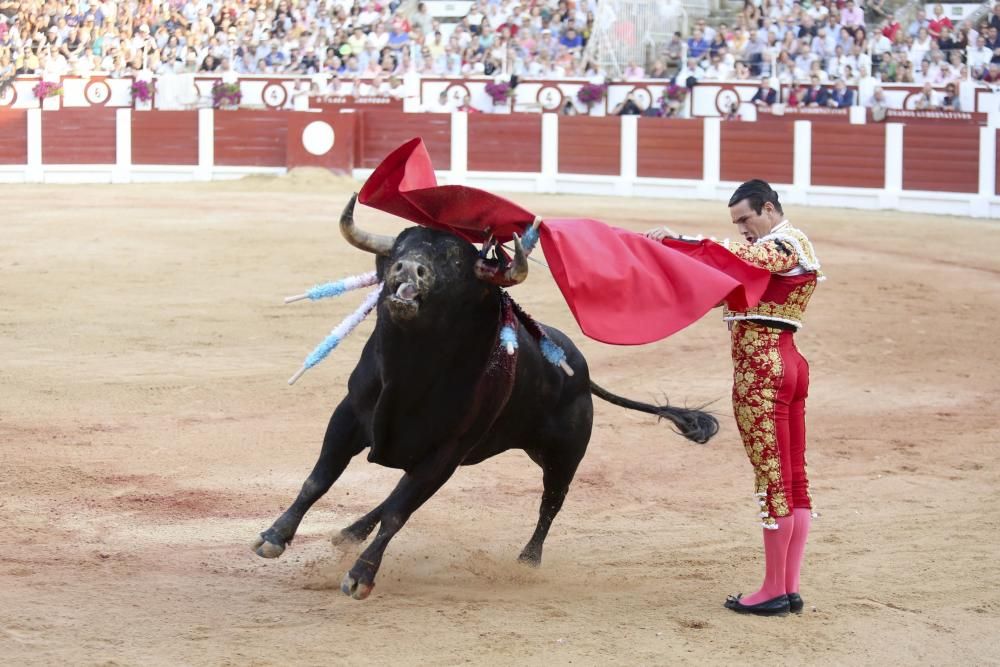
[711, 156]
[801, 160]
[893, 165]
[550, 152]
[459, 147]
[987, 172]
[629, 154]
[123, 146]
[206, 144]
[34, 172]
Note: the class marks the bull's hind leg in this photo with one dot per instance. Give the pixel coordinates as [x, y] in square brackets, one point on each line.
[360, 529]
[340, 444]
[411, 492]
[558, 468]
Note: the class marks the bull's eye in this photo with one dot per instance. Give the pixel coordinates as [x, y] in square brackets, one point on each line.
[398, 267]
[421, 271]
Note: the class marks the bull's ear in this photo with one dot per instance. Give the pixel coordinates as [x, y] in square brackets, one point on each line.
[381, 264]
[490, 271]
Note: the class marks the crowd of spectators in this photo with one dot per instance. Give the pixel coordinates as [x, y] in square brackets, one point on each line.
[347, 38]
[812, 47]
[816, 48]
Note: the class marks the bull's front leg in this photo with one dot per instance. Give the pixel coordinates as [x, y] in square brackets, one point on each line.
[341, 443]
[412, 491]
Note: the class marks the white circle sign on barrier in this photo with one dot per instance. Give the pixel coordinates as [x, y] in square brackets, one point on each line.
[98, 92]
[550, 97]
[274, 95]
[8, 96]
[318, 137]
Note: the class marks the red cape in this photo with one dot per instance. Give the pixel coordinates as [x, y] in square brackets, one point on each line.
[622, 288]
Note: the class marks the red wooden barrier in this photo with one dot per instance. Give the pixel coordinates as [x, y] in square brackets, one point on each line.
[165, 137]
[670, 148]
[382, 131]
[943, 158]
[79, 136]
[250, 138]
[321, 140]
[505, 142]
[14, 130]
[848, 155]
[590, 145]
[757, 150]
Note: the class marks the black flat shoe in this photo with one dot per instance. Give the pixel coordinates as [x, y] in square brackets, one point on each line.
[795, 603]
[774, 607]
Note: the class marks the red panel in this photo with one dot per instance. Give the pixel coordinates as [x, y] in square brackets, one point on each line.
[942, 157]
[996, 186]
[590, 145]
[14, 130]
[340, 157]
[383, 131]
[250, 138]
[671, 148]
[165, 137]
[848, 155]
[757, 150]
[505, 142]
[78, 136]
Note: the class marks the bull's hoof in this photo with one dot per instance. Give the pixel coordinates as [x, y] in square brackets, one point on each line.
[354, 588]
[266, 549]
[530, 559]
[345, 537]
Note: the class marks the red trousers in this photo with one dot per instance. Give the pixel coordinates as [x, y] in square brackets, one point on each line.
[770, 385]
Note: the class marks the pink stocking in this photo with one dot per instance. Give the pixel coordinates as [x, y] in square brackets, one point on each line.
[797, 548]
[775, 554]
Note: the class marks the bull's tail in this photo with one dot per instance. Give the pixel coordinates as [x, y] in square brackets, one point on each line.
[695, 425]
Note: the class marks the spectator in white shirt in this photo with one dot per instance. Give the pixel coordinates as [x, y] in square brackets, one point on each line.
[978, 56]
[835, 64]
[937, 63]
[927, 100]
[866, 84]
[922, 44]
[368, 15]
[819, 10]
[923, 74]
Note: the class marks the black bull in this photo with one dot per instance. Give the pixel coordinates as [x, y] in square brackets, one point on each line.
[431, 393]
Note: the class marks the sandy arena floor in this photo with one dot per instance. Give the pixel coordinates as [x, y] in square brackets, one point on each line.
[147, 435]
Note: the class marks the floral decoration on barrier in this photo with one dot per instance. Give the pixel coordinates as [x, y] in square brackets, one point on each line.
[672, 99]
[592, 93]
[142, 91]
[499, 91]
[226, 95]
[45, 89]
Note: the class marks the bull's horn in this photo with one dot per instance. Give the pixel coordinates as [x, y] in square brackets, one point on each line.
[518, 270]
[374, 243]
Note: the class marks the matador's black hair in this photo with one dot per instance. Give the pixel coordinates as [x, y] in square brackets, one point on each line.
[757, 192]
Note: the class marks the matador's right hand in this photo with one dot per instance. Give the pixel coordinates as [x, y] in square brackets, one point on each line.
[660, 233]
